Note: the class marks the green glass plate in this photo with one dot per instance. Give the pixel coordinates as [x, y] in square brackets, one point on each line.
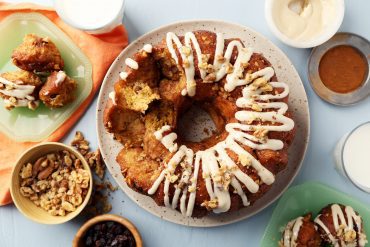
[305, 198]
[22, 124]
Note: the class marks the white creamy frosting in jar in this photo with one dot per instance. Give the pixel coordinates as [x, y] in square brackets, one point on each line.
[303, 20]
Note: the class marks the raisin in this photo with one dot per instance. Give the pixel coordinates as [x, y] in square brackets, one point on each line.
[109, 234]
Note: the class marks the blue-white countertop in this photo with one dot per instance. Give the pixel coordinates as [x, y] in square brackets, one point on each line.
[328, 124]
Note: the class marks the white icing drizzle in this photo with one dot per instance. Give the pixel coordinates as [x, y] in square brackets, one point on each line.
[234, 79]
[339, 220]
[188, 57]
[132, 63]
[123, 75]
[291, 232]
[18, 91]
[219, 170]
[112, 96]
[184, 92]
[148, 48]
[219, 65]
[22, 103]
[185, 154]
[191, 202]
[61, 76]
[22, 94]
[169, 140]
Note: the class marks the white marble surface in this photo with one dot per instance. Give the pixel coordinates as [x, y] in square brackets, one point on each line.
[328, 124]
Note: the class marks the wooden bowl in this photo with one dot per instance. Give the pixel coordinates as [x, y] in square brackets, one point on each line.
[77, 241]
[25, 205]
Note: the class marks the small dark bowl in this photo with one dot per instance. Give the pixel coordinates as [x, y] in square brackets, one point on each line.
[77, 241]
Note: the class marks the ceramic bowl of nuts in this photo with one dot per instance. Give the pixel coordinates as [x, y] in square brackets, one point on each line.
[51, 183]
[107, 230]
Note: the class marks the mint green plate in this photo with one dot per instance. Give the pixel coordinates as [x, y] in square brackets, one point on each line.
[308, 197]
[22, 124]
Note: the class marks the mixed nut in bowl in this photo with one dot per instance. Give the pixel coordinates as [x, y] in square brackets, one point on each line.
[108, 230]
[51, 183]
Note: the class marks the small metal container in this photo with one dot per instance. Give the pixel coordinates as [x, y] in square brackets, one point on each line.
[359, 43]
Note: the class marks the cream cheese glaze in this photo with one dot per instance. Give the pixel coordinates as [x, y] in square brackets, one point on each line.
[112, 96]
[21, 93]
[352, 222]
[123, 75]
[168, 140]
[148, 48]
[291, 231]
[132, 63]
[61, 76]
[304, 20]
[219, 170]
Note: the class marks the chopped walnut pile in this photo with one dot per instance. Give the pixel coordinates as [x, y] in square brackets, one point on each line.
[80, 143]
[95, 161]
[348, 235]
[229, 68]
[256, 107]
[99, 202]
[223, 177]
[211, 204]
[93, 158]
[55, 182]
[261, 134]
[245, 160]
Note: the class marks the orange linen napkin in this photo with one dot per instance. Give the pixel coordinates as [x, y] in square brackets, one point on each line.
[100, 49]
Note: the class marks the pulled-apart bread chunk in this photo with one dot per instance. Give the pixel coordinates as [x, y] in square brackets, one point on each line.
[58, 90]
[20, 89]
[37, 54]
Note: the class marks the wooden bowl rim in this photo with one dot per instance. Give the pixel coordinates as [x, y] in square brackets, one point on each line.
[108, 217]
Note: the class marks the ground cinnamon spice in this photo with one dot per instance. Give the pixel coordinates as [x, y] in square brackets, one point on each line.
[343, 69]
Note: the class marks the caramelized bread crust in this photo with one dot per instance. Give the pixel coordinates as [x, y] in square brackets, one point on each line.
[58, 92]
[37, 54]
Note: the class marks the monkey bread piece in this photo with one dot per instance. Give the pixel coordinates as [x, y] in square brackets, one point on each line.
[58, 90]
[37, 54]
[301, 232]
[139, 88]
[20, 89]
[127, 125]
[341, 226]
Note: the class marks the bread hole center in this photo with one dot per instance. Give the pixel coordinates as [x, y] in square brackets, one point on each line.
[195, 125]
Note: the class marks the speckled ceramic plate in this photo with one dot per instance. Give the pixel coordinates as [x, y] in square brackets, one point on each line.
[285, 72]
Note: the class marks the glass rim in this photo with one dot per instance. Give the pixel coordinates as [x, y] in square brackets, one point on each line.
[70, 22]
[342, 158]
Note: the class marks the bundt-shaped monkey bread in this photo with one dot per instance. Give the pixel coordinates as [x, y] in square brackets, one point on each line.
[237, 87]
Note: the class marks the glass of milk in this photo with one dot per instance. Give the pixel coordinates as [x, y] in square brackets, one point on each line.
[352, 156]
[92, 16]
